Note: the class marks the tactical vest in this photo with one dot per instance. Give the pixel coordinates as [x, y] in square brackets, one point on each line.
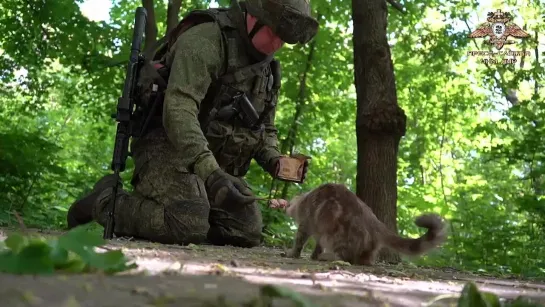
[231, 140]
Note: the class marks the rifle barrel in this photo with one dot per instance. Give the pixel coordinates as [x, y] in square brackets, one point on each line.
[124, 114]
[124, 105]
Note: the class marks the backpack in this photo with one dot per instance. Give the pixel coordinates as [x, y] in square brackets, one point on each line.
[153, 73]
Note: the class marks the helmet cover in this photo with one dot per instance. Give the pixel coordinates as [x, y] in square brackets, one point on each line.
[291, 20]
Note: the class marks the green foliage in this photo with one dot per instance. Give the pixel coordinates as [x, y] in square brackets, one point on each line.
[73, 252]
[272, 291]
[472, 297]
[468, 154]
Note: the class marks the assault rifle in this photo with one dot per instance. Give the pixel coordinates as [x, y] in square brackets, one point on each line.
[125, 105]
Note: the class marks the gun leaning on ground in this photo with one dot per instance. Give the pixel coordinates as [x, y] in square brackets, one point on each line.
[124, 114]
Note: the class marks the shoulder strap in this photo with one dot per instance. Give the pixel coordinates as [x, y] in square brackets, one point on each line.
[272, 94]
[230, 35]
[246, 72]
[156, 51]
[152, 51]
[193, 18]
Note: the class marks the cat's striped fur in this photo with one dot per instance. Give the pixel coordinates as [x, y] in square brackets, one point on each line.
[345, 228]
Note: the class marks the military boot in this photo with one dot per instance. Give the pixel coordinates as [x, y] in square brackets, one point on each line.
[81, 211]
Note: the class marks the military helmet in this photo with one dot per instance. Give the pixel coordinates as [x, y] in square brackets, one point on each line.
[291, 20]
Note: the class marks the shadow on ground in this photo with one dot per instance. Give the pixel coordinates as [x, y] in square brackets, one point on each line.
[170, 275]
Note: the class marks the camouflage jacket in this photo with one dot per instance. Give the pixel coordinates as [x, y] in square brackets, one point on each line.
[196, 60]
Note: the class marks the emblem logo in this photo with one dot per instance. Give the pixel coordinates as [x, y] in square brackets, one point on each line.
[499, 27]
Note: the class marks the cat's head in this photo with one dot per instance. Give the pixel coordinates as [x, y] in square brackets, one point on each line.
[293, 204]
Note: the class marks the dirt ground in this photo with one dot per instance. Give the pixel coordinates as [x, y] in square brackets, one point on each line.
[204, 275]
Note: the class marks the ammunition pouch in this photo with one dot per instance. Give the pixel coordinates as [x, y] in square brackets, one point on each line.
[242, 109]
[233, 128]
[149, 93]
[232, 147]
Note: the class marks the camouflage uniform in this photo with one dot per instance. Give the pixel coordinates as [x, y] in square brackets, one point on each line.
[179, 157]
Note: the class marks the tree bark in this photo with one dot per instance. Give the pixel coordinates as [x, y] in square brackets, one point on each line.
[151, 24]
[172, 14]
[380, 122]
[289, 141]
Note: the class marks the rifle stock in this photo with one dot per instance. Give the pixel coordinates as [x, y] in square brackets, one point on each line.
[123, 117]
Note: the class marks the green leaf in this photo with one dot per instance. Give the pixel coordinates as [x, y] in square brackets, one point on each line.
[80, 240]
[35, 259]
[110, 261]
[75, 265]
[71, 253]
[272, 291]
[59, 255]
[472, 297]
[60, 208]
[15, 242]
[8, 262]
[522, 302]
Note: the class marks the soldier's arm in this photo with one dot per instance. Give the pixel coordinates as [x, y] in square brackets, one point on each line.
[269, 151]
[197, 59]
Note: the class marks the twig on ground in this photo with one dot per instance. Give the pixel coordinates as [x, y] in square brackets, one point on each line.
[344, 272]
[440, 298]
[21, 223]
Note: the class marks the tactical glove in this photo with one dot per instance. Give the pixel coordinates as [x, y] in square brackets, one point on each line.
[224, 189]
[273, 166]
[305, 170]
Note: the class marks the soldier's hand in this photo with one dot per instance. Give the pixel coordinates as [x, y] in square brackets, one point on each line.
[274, 166]
[226, 189]
[304, 170]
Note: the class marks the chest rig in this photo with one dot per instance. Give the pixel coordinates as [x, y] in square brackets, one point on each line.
[238, 105]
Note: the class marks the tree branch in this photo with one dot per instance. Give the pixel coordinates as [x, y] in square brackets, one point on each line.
[536, 86]
[525, 28]
[151, 24]
[396, 5]
[512, 94]
[289, 141]
[172, 14]
[537, 182]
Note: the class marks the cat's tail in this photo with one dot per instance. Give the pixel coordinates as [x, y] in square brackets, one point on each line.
[434, 237]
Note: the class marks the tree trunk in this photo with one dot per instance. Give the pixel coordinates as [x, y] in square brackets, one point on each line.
[380, 122]
[172, 14]
[151, 24]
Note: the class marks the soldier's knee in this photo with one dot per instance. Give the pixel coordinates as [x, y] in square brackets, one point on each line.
[103, 201]
[241, 229]
[224, 235]
[251, 238]
[187, 220]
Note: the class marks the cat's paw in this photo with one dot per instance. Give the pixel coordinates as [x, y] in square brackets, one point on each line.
[292, 254]
[327, 257]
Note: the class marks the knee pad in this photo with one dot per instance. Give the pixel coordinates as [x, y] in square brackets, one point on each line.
[242, 228]
[187, 220]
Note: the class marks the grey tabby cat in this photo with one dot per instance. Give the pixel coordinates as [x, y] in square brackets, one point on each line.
[345, 228]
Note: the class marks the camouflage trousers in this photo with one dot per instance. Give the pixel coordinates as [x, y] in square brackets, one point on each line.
[169, 204]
